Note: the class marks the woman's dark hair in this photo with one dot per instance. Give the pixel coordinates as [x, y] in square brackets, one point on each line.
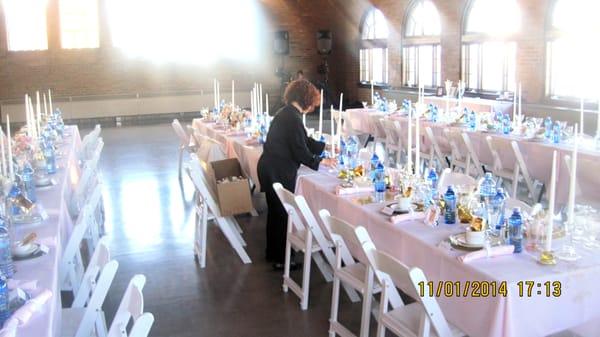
[302, 92]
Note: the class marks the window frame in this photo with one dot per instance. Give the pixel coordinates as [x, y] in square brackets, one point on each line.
[7, 32]
[416, 41]
[470, 38]
[370, 44]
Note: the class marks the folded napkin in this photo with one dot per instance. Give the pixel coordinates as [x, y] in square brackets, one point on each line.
[339, 190]
[252, 142]
[25, 285]
[397, 219]
[24, 313]
[487, 252]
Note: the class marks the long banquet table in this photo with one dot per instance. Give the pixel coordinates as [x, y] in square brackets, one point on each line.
[53, 232]
[416, 244]
[537, 155]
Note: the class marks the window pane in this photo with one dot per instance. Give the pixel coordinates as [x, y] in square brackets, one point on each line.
[473, 65]
[374, 26]
[492, 66]
[494, 17]
[26, 24]
[574, 69]
[423, 20]
[576, 16]
[426, 66]
[409, 66]
[79, 23]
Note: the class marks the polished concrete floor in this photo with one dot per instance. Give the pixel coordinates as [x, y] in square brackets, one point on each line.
[150, 224]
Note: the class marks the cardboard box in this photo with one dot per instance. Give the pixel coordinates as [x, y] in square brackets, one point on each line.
[234, 196]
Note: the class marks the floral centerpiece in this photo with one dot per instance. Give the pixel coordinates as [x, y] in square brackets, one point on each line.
[233, 115]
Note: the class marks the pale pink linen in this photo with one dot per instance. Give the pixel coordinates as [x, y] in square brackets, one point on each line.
[486, 253]
[339, 190]
[24, 313]
[400, 218]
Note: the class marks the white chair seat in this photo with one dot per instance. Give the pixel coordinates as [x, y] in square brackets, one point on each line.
[407, 320]
[355, 276]
[71, 317]
[298, 240]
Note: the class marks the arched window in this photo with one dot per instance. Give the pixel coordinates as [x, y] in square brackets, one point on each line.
[26, 24]
[572, 59]
[373, 48]
[79, 24]
[421, 51]
[489, 50]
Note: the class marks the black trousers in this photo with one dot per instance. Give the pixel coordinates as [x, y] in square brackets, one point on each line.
[276, 227]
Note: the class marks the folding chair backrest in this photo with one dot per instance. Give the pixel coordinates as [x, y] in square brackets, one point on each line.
[202, 185]
[141, 326]
[392, 132]
[96, 298]
[437, 151]
[288, 201]
[378, 129]
[472, 153]
[408, 281]
[456, 144]
[210, 150]
[88, 143]
[98, 260]
[131, 307]
[184, 139]
[345, 232]
[454, 178]
[511, 203]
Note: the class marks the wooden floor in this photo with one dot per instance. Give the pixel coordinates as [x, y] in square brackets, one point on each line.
[150, 226]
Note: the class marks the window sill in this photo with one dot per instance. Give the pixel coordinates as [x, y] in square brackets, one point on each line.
[362, 84]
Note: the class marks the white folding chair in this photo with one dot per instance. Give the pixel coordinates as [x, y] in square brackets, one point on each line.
[132, 308]
[378, 131]
[587, 189]
[498, 168]
[512, 202]
[459, 158]
[227, 224]
[448, 178]
[393, 141]
[88, 144]
[357, 274]
[185, 143]
[88, 319]
[436, 150]
[304, 234]
[86, 180]
[524, 172]
[423, 317]
[71, 265]
[473, 156]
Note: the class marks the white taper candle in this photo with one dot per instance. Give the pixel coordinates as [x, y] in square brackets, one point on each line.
[10, 155]
[321, 114]
[550, 216]
[573, 179]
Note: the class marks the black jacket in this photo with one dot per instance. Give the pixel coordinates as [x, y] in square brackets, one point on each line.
[287, 147]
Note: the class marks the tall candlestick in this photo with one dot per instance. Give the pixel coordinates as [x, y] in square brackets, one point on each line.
[332, 132]
[304, 119]
[409, 143]
[372, 93]
[252, 104]
[27, 121]
[321, 114]
[3, 154]
[581, 117]
[418, 140]
[598, 126]
[550, 220]
[520, 116]
[45, 106]
[573, 180]
[514, 114]
[10, 155]
[260, 102]
[233, 93]
[38, 116]
[340, 115]
[215, 93]
[50, 101]
[267, 103]
[218, 96]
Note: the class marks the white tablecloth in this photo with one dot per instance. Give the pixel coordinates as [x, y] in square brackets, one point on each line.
[54, 231]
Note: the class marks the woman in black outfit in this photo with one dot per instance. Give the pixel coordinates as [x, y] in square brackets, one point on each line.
[287, 147]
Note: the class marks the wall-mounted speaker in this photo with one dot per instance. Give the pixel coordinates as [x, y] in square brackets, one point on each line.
[281, 44]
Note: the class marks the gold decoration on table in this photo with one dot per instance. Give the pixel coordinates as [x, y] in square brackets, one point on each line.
[547, 258]
[464, 214]
[478, 224]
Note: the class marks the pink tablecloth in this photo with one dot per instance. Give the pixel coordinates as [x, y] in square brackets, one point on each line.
[538, 156]
[54, 230]
[416, 244]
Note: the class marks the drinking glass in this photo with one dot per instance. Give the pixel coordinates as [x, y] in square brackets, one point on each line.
[592, 228]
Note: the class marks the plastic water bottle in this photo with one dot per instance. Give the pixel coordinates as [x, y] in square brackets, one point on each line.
[28, 182]
[4, 301]
[351, 152]
[472, 120]
[556, 133]
[466, 115]
[548, 127]
[13, 208]
[487, 188]
[432, 177]
[506, 124]
[50, 158]
[6, 263]
[434, 114]
[497, 210]
[450, 207]
[515, 227]
[379, 183]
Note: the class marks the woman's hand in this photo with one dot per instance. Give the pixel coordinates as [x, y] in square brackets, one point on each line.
[330, 162]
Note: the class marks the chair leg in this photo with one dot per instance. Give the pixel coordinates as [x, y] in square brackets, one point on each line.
[323, 266]
[306, 278]
[101, 329]
[233, 240]
[286, 266]
[181, 149]
[366, 307]
[335, 298]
